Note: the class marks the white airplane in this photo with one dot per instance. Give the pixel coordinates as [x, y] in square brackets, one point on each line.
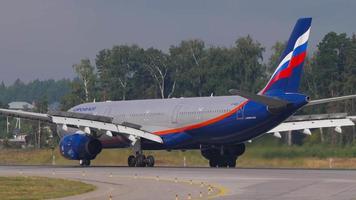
[218, 126]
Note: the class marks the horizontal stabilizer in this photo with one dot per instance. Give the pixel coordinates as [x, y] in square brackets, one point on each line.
[327, 100]
[272, 103]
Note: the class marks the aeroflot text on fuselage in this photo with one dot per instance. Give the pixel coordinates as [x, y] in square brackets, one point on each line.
[84, 109]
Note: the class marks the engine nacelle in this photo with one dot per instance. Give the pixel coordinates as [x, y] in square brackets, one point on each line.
[79, 147]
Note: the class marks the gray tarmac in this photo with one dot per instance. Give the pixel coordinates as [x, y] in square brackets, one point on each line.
[201, 183]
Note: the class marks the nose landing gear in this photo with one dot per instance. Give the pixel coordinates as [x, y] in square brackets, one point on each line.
[84, 163]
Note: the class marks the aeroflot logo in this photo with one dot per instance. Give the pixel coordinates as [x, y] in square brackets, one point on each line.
[84, 109]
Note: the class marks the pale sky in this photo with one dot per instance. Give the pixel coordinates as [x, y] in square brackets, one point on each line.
[44, 38]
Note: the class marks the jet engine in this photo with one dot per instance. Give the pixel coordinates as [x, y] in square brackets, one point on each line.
[79, 147]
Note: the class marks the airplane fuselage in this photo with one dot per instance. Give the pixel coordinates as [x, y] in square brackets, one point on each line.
[189, 122]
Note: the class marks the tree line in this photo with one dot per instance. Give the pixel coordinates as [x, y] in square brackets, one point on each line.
[35, 91]
[189, 69]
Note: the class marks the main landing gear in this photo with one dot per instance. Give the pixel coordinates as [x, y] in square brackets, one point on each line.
[224, 161]
[223, 156]
[140, 160]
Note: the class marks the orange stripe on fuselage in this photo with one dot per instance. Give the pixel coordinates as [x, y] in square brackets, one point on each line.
[201, 124]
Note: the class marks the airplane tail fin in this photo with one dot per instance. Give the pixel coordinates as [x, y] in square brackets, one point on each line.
[286, 78]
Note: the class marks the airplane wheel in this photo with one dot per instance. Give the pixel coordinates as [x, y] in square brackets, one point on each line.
[213, 163]
[222, 163]
[84, 163]
[150, 161]
[131, 161]
[231, 162]
[140, 161]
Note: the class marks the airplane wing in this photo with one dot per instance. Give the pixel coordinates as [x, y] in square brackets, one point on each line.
[25, 115]
[306, 122]
[88, 122]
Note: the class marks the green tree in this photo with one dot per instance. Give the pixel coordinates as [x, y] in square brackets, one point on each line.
[34, 90]
[246, 67]
[273, 62]
[85, 72]
[329, 64]
[190, 69]
[103, 65]
[73, 98]
[118, 69]
[349, 75]
[218, 61]
[158, 65]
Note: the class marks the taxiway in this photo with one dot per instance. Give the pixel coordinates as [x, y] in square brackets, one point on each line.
[201, 183]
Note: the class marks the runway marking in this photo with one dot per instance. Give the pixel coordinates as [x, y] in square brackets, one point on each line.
[218, 190]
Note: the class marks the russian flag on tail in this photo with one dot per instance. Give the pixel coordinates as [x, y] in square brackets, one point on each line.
[286, 78]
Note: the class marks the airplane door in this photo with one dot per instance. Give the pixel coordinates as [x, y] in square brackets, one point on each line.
[240, 114]
[175, 113]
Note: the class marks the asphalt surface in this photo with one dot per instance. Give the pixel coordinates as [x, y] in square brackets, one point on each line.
[201, 183]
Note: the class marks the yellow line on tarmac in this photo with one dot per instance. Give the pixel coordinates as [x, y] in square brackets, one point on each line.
[222, 191]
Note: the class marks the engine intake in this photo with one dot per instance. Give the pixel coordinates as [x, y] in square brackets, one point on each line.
[79, 147]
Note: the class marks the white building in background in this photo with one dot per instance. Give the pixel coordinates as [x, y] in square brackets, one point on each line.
[20, 105]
